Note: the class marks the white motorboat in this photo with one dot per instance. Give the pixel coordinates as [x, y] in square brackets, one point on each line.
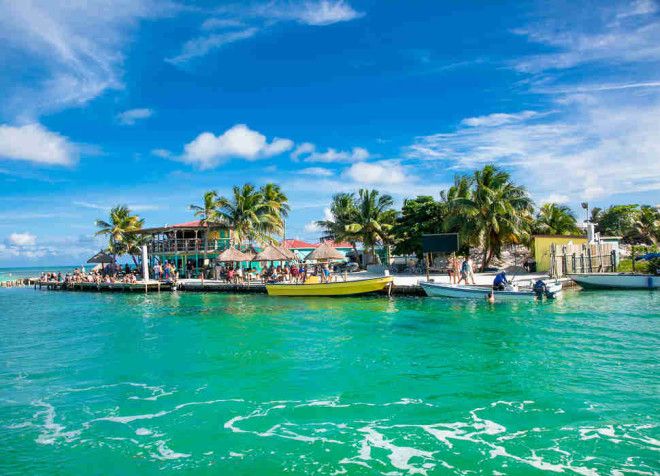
[616, 280]
[480, 292]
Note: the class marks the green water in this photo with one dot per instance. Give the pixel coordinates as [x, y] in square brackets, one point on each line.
[225, 384]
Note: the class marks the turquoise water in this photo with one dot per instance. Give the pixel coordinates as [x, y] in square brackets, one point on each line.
[247, 384]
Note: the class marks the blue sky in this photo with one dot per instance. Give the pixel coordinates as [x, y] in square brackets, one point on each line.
[151, 103]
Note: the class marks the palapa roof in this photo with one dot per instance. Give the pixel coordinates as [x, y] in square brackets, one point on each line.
[232, 254]
[272, 253]
[101, 257]
[324, 252]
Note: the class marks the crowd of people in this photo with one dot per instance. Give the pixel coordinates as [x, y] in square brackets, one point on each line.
[108, 274]
[297, 273]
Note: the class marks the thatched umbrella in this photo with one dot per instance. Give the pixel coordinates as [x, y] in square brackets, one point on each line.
[271, 253]
[231, 254]
[101, 257]
[290, 254]
[325, 252]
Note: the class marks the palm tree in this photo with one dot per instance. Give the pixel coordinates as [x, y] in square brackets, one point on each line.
[497, 211]
[344, 211]
[554, 219]
[121, 230]
[207, 214]
[373, 219]
[248, 214]
[647, 225]
[278, 204]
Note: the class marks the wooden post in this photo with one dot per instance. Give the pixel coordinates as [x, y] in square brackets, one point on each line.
[426, 262]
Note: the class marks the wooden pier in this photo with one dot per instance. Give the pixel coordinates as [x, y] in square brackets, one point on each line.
[151, 286]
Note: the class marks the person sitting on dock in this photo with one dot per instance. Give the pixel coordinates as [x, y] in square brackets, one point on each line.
[500, 282]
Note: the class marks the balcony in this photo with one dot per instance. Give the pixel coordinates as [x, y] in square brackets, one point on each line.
[187, 246]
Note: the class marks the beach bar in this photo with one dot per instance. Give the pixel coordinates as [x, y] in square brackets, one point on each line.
[187, 245]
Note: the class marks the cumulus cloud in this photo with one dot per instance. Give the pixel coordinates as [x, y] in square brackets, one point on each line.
[130, 117]
[302, 149]
[35, 143]
[23, 239]
[377, 173]
[308, 153]
[208, 150]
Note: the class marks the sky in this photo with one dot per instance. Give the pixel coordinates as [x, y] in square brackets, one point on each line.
[151, 103]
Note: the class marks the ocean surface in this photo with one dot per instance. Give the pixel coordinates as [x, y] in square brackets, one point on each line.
[247, 384]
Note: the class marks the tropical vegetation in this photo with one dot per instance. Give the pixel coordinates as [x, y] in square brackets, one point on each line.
[122, 229]
[554, 219]
[368, 218]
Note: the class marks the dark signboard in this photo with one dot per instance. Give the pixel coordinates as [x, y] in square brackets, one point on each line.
[440, 243]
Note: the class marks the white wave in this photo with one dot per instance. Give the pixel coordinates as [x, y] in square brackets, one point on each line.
[52, 431]
[399, 456]
[143, 432]
[165, 453]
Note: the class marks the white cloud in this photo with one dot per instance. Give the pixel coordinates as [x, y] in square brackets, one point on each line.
[162, 153]
[614, 34]
[598, 147]
[302, 149]
[23, 239]
[34, 143]
[316, 171]
[497, 119]
[377, 173]
[208, 150]
[315, 13]
[308, 153]
[73, 51]
[312, 227]
[241, 22]
[203, 45]
[128, 118]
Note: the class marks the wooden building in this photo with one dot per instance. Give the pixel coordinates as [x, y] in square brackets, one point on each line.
[185, 243]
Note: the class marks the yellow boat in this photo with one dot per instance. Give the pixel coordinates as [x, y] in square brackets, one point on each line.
[340, 288]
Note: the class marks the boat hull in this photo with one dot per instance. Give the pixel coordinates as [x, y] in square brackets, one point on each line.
[341, 288]
[474, 292]
[616, 281]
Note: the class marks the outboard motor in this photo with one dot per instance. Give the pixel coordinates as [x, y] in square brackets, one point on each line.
[539, 288]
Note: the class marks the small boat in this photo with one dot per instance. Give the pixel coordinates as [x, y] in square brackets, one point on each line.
[340, 288]
[480, 292]
[616, 280]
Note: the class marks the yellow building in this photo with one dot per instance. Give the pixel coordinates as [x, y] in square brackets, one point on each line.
[541, 247]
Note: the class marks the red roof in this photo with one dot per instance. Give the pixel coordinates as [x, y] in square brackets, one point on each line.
[188, 224]
[299, 244]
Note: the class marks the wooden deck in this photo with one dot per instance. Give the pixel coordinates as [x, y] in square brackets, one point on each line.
[151, 286]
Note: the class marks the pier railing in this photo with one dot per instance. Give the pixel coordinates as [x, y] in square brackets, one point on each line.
[594, 258]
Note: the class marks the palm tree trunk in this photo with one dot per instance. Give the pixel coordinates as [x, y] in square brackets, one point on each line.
[485, 259]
